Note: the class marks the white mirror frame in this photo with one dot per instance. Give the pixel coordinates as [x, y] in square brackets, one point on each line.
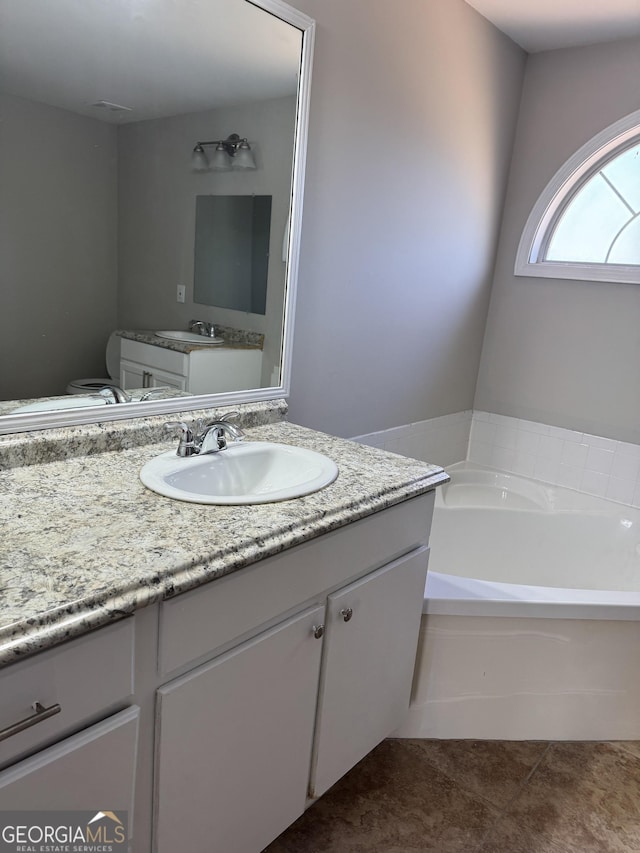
[95, 414]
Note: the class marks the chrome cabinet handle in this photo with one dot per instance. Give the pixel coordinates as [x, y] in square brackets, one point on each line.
[41, 713]
[318, 631]
[346, 613]
[146, 379]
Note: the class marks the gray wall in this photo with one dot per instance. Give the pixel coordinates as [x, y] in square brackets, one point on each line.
[563, 352]
[413, 110]
[58, 247]
[156, 207]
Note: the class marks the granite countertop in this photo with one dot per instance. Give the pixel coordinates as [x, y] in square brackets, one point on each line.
[84, 542]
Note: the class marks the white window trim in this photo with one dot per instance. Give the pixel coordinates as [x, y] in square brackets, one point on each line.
[543, 215]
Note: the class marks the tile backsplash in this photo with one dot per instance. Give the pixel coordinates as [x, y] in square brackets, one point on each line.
[563, 457]
[588, 463]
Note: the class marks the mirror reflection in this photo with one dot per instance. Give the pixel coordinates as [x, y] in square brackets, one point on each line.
[102, 106]
[232, 251]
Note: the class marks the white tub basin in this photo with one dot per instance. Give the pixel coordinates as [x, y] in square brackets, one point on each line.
[189, 338]
[252, 472]
[493, 489]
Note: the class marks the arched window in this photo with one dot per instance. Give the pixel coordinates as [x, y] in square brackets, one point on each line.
[586, 223]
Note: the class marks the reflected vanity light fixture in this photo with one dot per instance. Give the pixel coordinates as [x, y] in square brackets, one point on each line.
[230, 153]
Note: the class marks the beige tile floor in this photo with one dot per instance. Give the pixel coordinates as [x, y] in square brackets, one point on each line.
[478, 797]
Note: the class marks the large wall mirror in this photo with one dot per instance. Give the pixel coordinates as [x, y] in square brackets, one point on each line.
[119, 121]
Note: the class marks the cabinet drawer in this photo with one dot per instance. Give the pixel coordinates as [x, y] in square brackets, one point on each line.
[159, 358]
[198, 622]
[80, 773]
[87, 678]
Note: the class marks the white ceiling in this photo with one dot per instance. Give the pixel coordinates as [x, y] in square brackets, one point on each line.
[159, 57]
[548, 24]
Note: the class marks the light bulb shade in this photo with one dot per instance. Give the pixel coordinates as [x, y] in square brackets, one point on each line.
[199, 160]
[244, 157]
[220, 161]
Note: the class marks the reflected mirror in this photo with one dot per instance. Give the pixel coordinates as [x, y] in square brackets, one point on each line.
[231, 266]
[111, 221]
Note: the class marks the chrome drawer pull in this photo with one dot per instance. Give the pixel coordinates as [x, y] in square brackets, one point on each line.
[346, 613]
[318, 631]
[41, 713]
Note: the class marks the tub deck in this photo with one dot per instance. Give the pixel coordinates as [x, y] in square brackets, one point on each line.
[504, 545]
[531, 624]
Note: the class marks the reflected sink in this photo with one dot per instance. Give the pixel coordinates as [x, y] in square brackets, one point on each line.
[251, 472]
[189, 338]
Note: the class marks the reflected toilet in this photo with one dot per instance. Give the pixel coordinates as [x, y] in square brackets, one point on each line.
[92, 385]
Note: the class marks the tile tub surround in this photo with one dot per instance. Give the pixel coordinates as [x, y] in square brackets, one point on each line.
[443, 440]
[84, 542]
[588, 463]
[49, 445]
[478, 797]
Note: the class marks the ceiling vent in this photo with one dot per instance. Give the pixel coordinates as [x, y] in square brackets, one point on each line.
[112, 108]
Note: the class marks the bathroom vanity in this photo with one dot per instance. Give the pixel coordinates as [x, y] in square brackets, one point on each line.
[203, 671]
[150, 362]
[209, 670]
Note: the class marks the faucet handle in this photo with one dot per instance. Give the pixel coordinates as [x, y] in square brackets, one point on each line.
[186, 446]
[213, 435]
[236, 432]
[177, 425]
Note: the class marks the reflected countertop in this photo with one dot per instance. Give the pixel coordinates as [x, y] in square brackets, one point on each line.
[85, 543]
[233, 339]
[76, 401]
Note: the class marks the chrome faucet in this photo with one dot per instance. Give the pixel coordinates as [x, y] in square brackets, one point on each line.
[113, 394]
[214, 435]
[158, 391]
[208, 330]
[199, 439]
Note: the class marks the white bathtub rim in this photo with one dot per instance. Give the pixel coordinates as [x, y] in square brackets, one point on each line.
[552, 498]
[452, 595]
[457, 595]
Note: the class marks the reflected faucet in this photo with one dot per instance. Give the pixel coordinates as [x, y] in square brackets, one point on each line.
[208, 330]
[158, 391]
[114, 394]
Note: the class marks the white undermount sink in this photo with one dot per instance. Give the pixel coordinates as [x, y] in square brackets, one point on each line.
[251, 472]
[189, 338]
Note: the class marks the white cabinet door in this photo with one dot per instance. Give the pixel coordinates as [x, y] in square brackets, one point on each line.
[367, 665]
[133, 375]
[93, 770]
[234, 743]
